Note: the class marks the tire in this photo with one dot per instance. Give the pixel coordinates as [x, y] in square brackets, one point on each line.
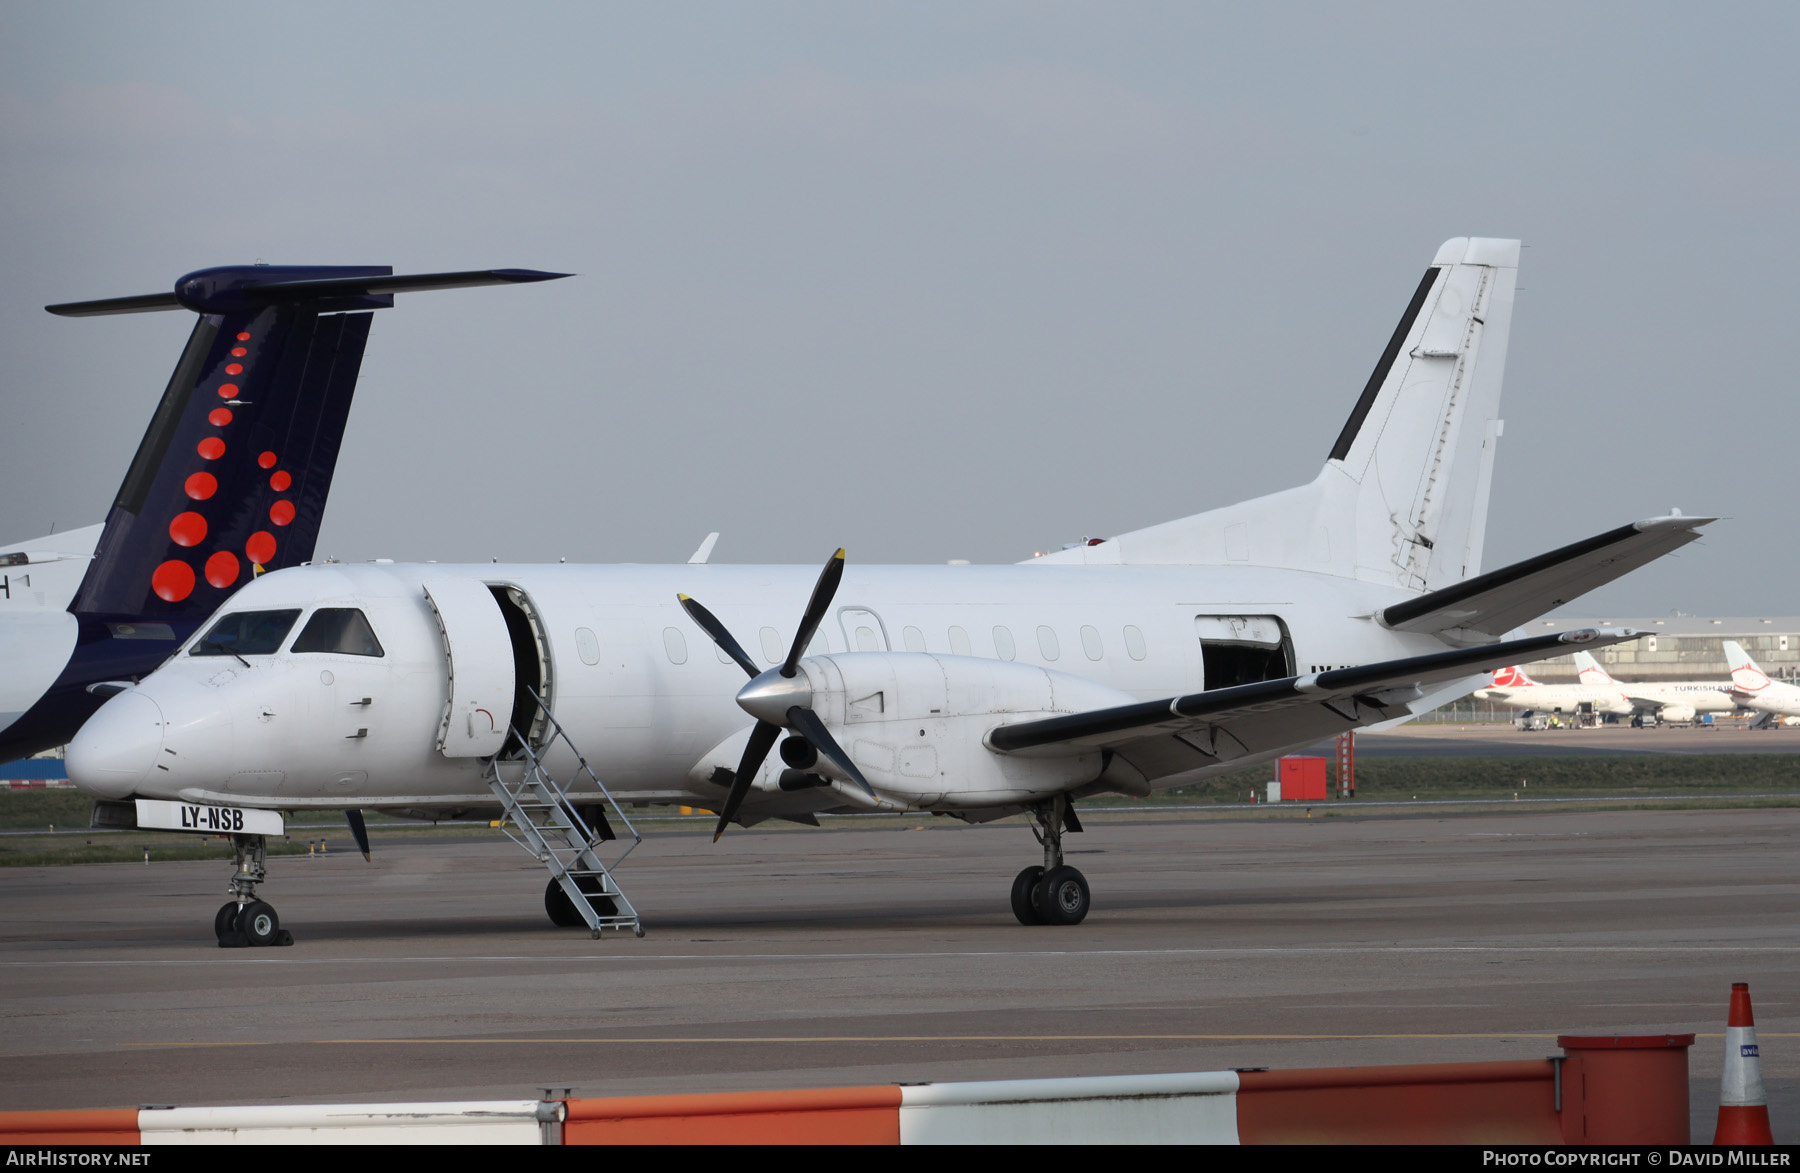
[225, 920]
[563, 913]
[1062, 897]
[1024, 895]
[259, 924]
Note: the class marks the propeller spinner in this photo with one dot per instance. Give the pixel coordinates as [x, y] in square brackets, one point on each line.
[779, 698]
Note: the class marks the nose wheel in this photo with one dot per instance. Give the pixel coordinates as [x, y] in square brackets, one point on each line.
[1054, 894]
[245, 921]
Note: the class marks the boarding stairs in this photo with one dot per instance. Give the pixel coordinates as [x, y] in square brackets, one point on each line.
[540, 816]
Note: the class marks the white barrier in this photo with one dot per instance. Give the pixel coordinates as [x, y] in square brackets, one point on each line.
[480, 1122]
[1187, 1108]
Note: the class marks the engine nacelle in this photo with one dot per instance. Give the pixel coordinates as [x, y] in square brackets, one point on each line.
[1675, 714]
[915, 724]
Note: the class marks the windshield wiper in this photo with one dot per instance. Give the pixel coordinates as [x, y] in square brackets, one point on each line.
[213, 643]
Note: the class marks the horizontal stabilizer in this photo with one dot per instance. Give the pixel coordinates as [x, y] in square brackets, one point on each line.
[1500, 600]
[1165, 737]
[238, 288]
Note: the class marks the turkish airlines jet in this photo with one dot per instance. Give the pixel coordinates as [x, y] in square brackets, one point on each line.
[1753, 689]
[1670, 700]
[1127, 665]
[228, 483]
[1513, 688]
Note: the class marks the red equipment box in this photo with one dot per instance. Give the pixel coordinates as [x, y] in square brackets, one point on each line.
[1302, 779]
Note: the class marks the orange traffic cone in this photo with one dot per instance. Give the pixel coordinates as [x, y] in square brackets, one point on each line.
[1743, 1107]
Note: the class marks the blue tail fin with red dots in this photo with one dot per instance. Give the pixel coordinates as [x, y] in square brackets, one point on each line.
[232, 476]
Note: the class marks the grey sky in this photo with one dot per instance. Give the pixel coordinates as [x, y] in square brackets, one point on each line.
[927, 281]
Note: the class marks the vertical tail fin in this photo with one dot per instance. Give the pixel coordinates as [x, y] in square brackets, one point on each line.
[1744, 672]
[232, 476]
[1589, 671]
[1512, 677]
[1403, 496]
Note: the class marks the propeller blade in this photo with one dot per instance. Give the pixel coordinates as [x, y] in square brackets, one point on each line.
[358, 832]
[806, 723]
[709, 623]
[755, 750]
[815, 611]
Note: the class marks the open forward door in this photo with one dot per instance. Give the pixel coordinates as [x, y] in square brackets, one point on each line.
[479, 655]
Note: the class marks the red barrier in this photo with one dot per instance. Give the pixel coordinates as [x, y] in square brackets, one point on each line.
[90, 1126]
[1418, 1103]
[844, 1115]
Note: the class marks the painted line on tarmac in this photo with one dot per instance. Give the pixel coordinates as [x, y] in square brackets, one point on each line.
[662, 1040]
[1243, 951]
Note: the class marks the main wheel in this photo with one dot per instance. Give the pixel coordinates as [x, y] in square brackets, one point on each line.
[562, 912]
[1023, 889]
[259, 924]
[225, 920]
[1062, 897]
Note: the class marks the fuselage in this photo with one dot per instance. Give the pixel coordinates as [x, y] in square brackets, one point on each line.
[641, 690]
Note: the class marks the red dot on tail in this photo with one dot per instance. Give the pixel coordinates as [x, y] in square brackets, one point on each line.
[267, 460]
[238, 352]
[173, 581]
[280, 481]
[243, 337]
[218, 417]
[202, 485]
[228, 390]
[188, 529]
[211, 448]
[260, 549]
[281, 512]
[222, 569]
[236, 368]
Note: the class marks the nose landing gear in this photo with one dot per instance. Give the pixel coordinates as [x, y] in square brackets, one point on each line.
[1054, 894]
[244, 920]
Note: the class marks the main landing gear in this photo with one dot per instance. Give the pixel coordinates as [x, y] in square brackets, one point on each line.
[244, 920]
[1053, 894]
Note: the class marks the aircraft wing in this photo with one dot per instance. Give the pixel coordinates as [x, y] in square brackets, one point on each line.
[1500, 600]
[1203, 729]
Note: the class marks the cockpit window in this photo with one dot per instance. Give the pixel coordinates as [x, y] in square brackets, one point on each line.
[343, 630]
[247, 633]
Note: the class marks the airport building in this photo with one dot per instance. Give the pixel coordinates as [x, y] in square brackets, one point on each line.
[1679, 647]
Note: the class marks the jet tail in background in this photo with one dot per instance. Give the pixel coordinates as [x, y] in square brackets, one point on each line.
[1513, 677]
[1744, 672]
[232, 476]
[1589, 671]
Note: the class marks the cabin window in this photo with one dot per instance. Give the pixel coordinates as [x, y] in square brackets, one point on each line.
[913, 638]
[959, 642]
[1134, 643]
[1003, 644]
[587, 645]
[1243, 649]
[1047, 643]
[1090, 643]
[675, 644]
[866, 640]
[343, 631]
[247, 633]
[773, 652]
[723, 658]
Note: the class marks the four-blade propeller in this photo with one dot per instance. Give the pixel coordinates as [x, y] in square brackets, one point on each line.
[779, 698]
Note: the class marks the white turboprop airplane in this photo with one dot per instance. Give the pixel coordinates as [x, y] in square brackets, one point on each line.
[1130, 664]
[1752, 688]
[1670, 700]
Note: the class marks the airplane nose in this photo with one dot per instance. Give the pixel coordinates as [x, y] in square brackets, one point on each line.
[118, 746]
